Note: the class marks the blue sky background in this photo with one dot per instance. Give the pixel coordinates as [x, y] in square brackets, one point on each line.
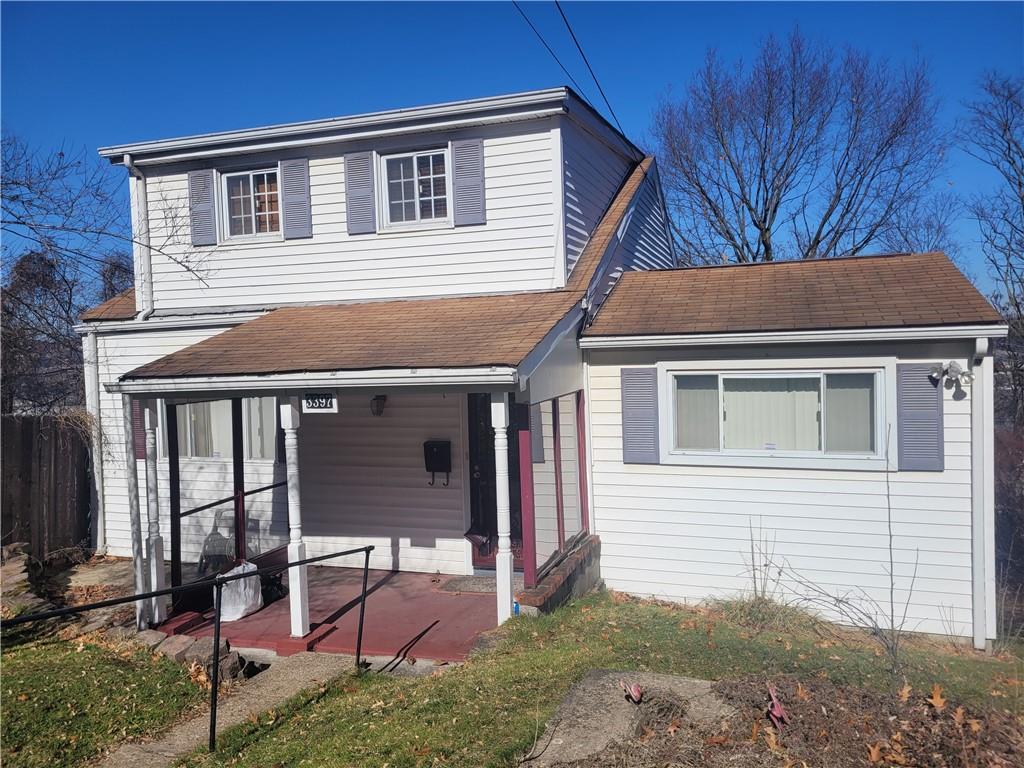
[92, 74]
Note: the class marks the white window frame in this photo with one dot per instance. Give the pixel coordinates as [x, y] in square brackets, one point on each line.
[186, 439]
[225, 209]
[884, 456]
[383, 204]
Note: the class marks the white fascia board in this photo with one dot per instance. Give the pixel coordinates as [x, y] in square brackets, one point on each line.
[790, 337]
[539, 353]
[516, 106]
[166, 324]
[398, 377]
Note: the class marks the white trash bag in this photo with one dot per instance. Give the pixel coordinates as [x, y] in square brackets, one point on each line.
[240, 597]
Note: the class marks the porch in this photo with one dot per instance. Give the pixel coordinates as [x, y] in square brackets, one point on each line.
[459, 466]
[408, 616]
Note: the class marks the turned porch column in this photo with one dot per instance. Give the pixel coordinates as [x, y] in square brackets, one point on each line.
[298, 585]
[134, 511]
[154, 542]
[503, 559]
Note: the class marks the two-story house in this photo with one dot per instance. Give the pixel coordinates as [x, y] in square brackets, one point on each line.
[459, 333]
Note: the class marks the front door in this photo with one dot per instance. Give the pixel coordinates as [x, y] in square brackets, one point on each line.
[483, 514]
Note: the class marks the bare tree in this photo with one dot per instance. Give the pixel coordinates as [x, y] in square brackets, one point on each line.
[66, 245]
[799, 155]
[994, 134]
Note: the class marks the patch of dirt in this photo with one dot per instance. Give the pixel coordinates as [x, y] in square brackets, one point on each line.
[850, 726]
[828, 725]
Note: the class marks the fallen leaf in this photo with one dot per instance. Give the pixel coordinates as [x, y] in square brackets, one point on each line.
[646, 735]
[874, 753]
[717, 740]
[937, 700]
[958, 716]
[754, 730]
[801, 692]
[673, 727]
[772, 740]
[905, 692]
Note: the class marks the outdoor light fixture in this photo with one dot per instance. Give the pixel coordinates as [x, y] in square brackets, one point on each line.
[377, 405]
[952, 371]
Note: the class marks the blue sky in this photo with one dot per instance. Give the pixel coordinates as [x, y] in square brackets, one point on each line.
[91, 74]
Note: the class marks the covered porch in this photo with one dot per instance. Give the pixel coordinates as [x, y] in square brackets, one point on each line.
[446, 470]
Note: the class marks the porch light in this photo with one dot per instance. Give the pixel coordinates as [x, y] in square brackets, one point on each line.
[377, 405]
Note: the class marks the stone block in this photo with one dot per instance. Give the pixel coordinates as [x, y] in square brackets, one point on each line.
[150, 638]
[201, 651]
[175, 647]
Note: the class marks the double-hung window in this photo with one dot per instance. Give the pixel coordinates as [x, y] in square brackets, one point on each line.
[802, 413]
[415, 188]
[252, 203]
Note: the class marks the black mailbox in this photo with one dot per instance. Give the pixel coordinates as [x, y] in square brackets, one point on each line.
[437, 456]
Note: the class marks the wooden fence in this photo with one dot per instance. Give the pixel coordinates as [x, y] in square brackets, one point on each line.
[46, 489]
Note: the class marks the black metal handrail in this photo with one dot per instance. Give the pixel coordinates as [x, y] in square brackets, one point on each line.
[232, 497]
[217, 582]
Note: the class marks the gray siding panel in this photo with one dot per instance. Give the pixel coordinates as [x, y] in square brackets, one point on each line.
[297, 214]
[919, 419]
[640, 416]
[468, 189]
[360, 210]
[202, 207]
[536, 434]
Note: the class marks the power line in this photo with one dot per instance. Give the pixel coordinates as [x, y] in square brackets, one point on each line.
[586, 61]
[548, 47]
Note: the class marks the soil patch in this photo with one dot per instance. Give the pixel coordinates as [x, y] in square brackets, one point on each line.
[827, 725]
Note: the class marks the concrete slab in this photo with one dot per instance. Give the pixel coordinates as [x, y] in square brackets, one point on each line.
[595, 713]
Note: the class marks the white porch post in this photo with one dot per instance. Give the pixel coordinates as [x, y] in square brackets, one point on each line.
[298, 587]
[155, 543]
[503, 560]
[134, 512]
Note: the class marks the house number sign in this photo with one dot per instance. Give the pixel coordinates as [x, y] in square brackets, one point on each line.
[319, 402]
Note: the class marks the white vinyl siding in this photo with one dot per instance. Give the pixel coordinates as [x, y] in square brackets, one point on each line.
[683, 532]
[363, 482]
[513, 251]
[593, 174]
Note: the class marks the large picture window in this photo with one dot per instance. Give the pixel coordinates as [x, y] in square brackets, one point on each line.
[415, 187]
[252, 203]
[804, 413]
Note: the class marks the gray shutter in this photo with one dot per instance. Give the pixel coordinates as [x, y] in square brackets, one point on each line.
[536, 434]
[202, 207]
[469, 205]
[640, 416]
[919, 419]
[359, 203]
[297, 216]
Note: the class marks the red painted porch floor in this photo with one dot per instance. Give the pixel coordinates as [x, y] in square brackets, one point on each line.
[406, 615]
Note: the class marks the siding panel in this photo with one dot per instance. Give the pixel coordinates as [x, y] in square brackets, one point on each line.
[684, 533]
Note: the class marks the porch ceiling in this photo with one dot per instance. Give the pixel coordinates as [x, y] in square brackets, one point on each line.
[464, 332]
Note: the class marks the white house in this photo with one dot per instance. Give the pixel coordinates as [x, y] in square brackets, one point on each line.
[459, 333]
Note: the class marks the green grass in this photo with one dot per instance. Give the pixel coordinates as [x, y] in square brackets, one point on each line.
[487, 711]
[63, 702]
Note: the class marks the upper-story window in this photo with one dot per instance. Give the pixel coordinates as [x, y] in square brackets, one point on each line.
[252, 202]
[415, 187]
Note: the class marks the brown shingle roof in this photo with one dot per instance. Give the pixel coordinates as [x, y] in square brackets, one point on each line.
[424, 333]
[922, 289]
[121, 307]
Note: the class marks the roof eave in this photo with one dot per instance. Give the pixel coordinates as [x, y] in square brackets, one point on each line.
[515, 106]
[921, 333]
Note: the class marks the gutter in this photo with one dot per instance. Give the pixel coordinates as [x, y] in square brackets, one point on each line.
[92, 404]
[924, 333]
[396, 377]
[142, 256]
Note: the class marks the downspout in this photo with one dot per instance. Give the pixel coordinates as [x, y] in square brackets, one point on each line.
[92, 404]
[140, 238]
[982, 512]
